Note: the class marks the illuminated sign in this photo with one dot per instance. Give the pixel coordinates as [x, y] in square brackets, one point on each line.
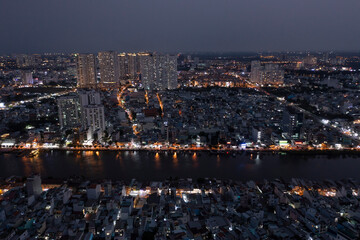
[283, 142]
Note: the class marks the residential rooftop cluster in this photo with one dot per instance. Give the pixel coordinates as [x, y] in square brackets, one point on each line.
[179, 209]
[221, 116]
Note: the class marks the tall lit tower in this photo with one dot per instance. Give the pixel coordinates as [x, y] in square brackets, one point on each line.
[123, 65]
[109, 68]
[158, 71]
[128, 65]
[86, 70]
[69, 111]
[268, 74]
[256, 75]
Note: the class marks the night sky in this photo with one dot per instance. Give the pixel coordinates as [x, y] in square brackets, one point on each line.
[36, 26]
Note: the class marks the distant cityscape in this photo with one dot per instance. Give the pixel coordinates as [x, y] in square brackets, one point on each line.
[179, 120]
[155, 101]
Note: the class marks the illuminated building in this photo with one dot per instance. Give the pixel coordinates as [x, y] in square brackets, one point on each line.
[92, 113]
[257, 134]
[123, 69]
[129, 65]
[82, 109]
[273, 74]
[109, 68]
[94, 118]
[158, 71]
[256, 72]
[69, 111]
[292, 123]
[89, 97]
[268, 74]
[86, 70]
[27, 78]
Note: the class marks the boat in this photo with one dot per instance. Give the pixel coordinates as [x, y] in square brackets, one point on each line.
[34, 153]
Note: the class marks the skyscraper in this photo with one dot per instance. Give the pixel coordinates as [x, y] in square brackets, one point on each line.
[109, 68]
[82, 110]
[273, 74]
[86, 70]
[292, 123]
[129, 66]
[123, 65]
[94, 118]
[27, 78]
[268, 74]
[69, 111]
[89, 97]
[147, 70]
[256, 75]
[132, 65]
[92, 113]
[158, 71]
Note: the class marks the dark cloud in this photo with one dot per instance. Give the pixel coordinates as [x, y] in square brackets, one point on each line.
[178, 25]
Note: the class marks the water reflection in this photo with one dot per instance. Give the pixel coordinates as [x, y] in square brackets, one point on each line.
[91, 161]
[118, 156]
[32, 164]
[195, 160]
[157, 161]
[152, 165]
[87, 153]
[175, 160]
[257, 159]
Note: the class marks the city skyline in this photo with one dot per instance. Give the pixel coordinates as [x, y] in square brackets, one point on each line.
[41, 26]
[188, 119]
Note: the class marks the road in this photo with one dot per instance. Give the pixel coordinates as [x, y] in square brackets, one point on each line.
[52, 95]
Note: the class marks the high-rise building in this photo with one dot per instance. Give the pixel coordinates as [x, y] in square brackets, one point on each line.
[89, 97]
[94, 118]
[82, 110]
[256, 75]
[92, 113]
[158, 71]
[69, 111]
[86, 71]
[109, 67]
[132, 65]
[292, 123]
[129, 65]
[147, 71]
[27, 78]
[268, 74]
[257, 134]
[123, 65]
[33, 185]
[273, 74]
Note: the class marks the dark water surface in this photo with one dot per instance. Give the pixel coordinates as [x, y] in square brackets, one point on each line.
[144, 165]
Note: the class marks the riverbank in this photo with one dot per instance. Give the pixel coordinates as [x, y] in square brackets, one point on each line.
[355, 151]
